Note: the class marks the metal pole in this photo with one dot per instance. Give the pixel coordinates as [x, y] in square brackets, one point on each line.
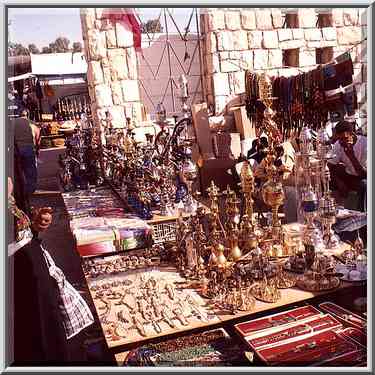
[169, 59]
[200, 55]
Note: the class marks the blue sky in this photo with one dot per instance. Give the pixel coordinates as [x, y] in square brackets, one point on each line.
[42, 26]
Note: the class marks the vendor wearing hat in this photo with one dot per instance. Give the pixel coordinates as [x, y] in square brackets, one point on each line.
[349, 165]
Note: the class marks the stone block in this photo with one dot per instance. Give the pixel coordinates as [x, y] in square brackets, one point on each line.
[255, 39]
[94, 73]
[99, 13]
[117, 95]
[307, 58]
[97, 44]
[307, 17]
[322, 44]
[248, 19]
[284, 34]
[131, 58]
[103, 95]
[275, 58]
[98, 25]
[211, 42]
[224, 56]
[220, 103]
[329, 33]
[313, 34]
[246, 60]
[289, 72]
[135, 111]
[235, 55]
[297, 33]
[118, 66]
[111, 38]
[338, 16]
[124, 35]
[350, 16]
[263, 19]
[228, 66]
[237, 82]
[130, 90]
[270, 39]
[216, 20]
[224, 41]
[291, 44]
[118, 116]
[221, 84]
[213, 63]
[349, 35]
[260, 59]
[88, 18]
[277, 20]
[240, 42]
[107, 75]
[233, 20]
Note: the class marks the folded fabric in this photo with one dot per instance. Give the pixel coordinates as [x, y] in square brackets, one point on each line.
[89, 222]
[90, 236]
[96, 248]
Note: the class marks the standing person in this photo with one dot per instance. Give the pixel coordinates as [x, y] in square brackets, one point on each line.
[47, 311]
[24, 141]
[349, 166]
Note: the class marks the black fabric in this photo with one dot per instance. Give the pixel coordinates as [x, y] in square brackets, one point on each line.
[39, 334]
[344, 126]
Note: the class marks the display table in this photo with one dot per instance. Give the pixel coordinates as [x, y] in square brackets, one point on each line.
[129, 336]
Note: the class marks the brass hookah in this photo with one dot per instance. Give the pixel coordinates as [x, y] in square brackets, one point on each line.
[272, 190]
[217, 257]
[248, 237]
[273, 195]
[233, 218]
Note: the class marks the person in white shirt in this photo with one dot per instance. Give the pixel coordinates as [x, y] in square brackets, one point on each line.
[349, 166]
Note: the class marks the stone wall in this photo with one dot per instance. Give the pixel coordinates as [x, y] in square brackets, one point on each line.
[238, 39]
[112, 68]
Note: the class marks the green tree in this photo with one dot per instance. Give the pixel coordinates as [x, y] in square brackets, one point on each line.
[151, 26]
[46, 50]
[77, 47]
[62, 44]
[33, 49]
[17, 49]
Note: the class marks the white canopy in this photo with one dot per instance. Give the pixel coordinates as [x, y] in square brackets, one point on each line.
[58, 63]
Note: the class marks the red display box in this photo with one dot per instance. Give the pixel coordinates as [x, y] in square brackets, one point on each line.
[277, 320]
[347, 317]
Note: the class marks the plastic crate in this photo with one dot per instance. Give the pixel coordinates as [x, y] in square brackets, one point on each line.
[163, 232]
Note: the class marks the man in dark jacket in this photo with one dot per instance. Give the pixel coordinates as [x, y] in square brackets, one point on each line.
[24, 143]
